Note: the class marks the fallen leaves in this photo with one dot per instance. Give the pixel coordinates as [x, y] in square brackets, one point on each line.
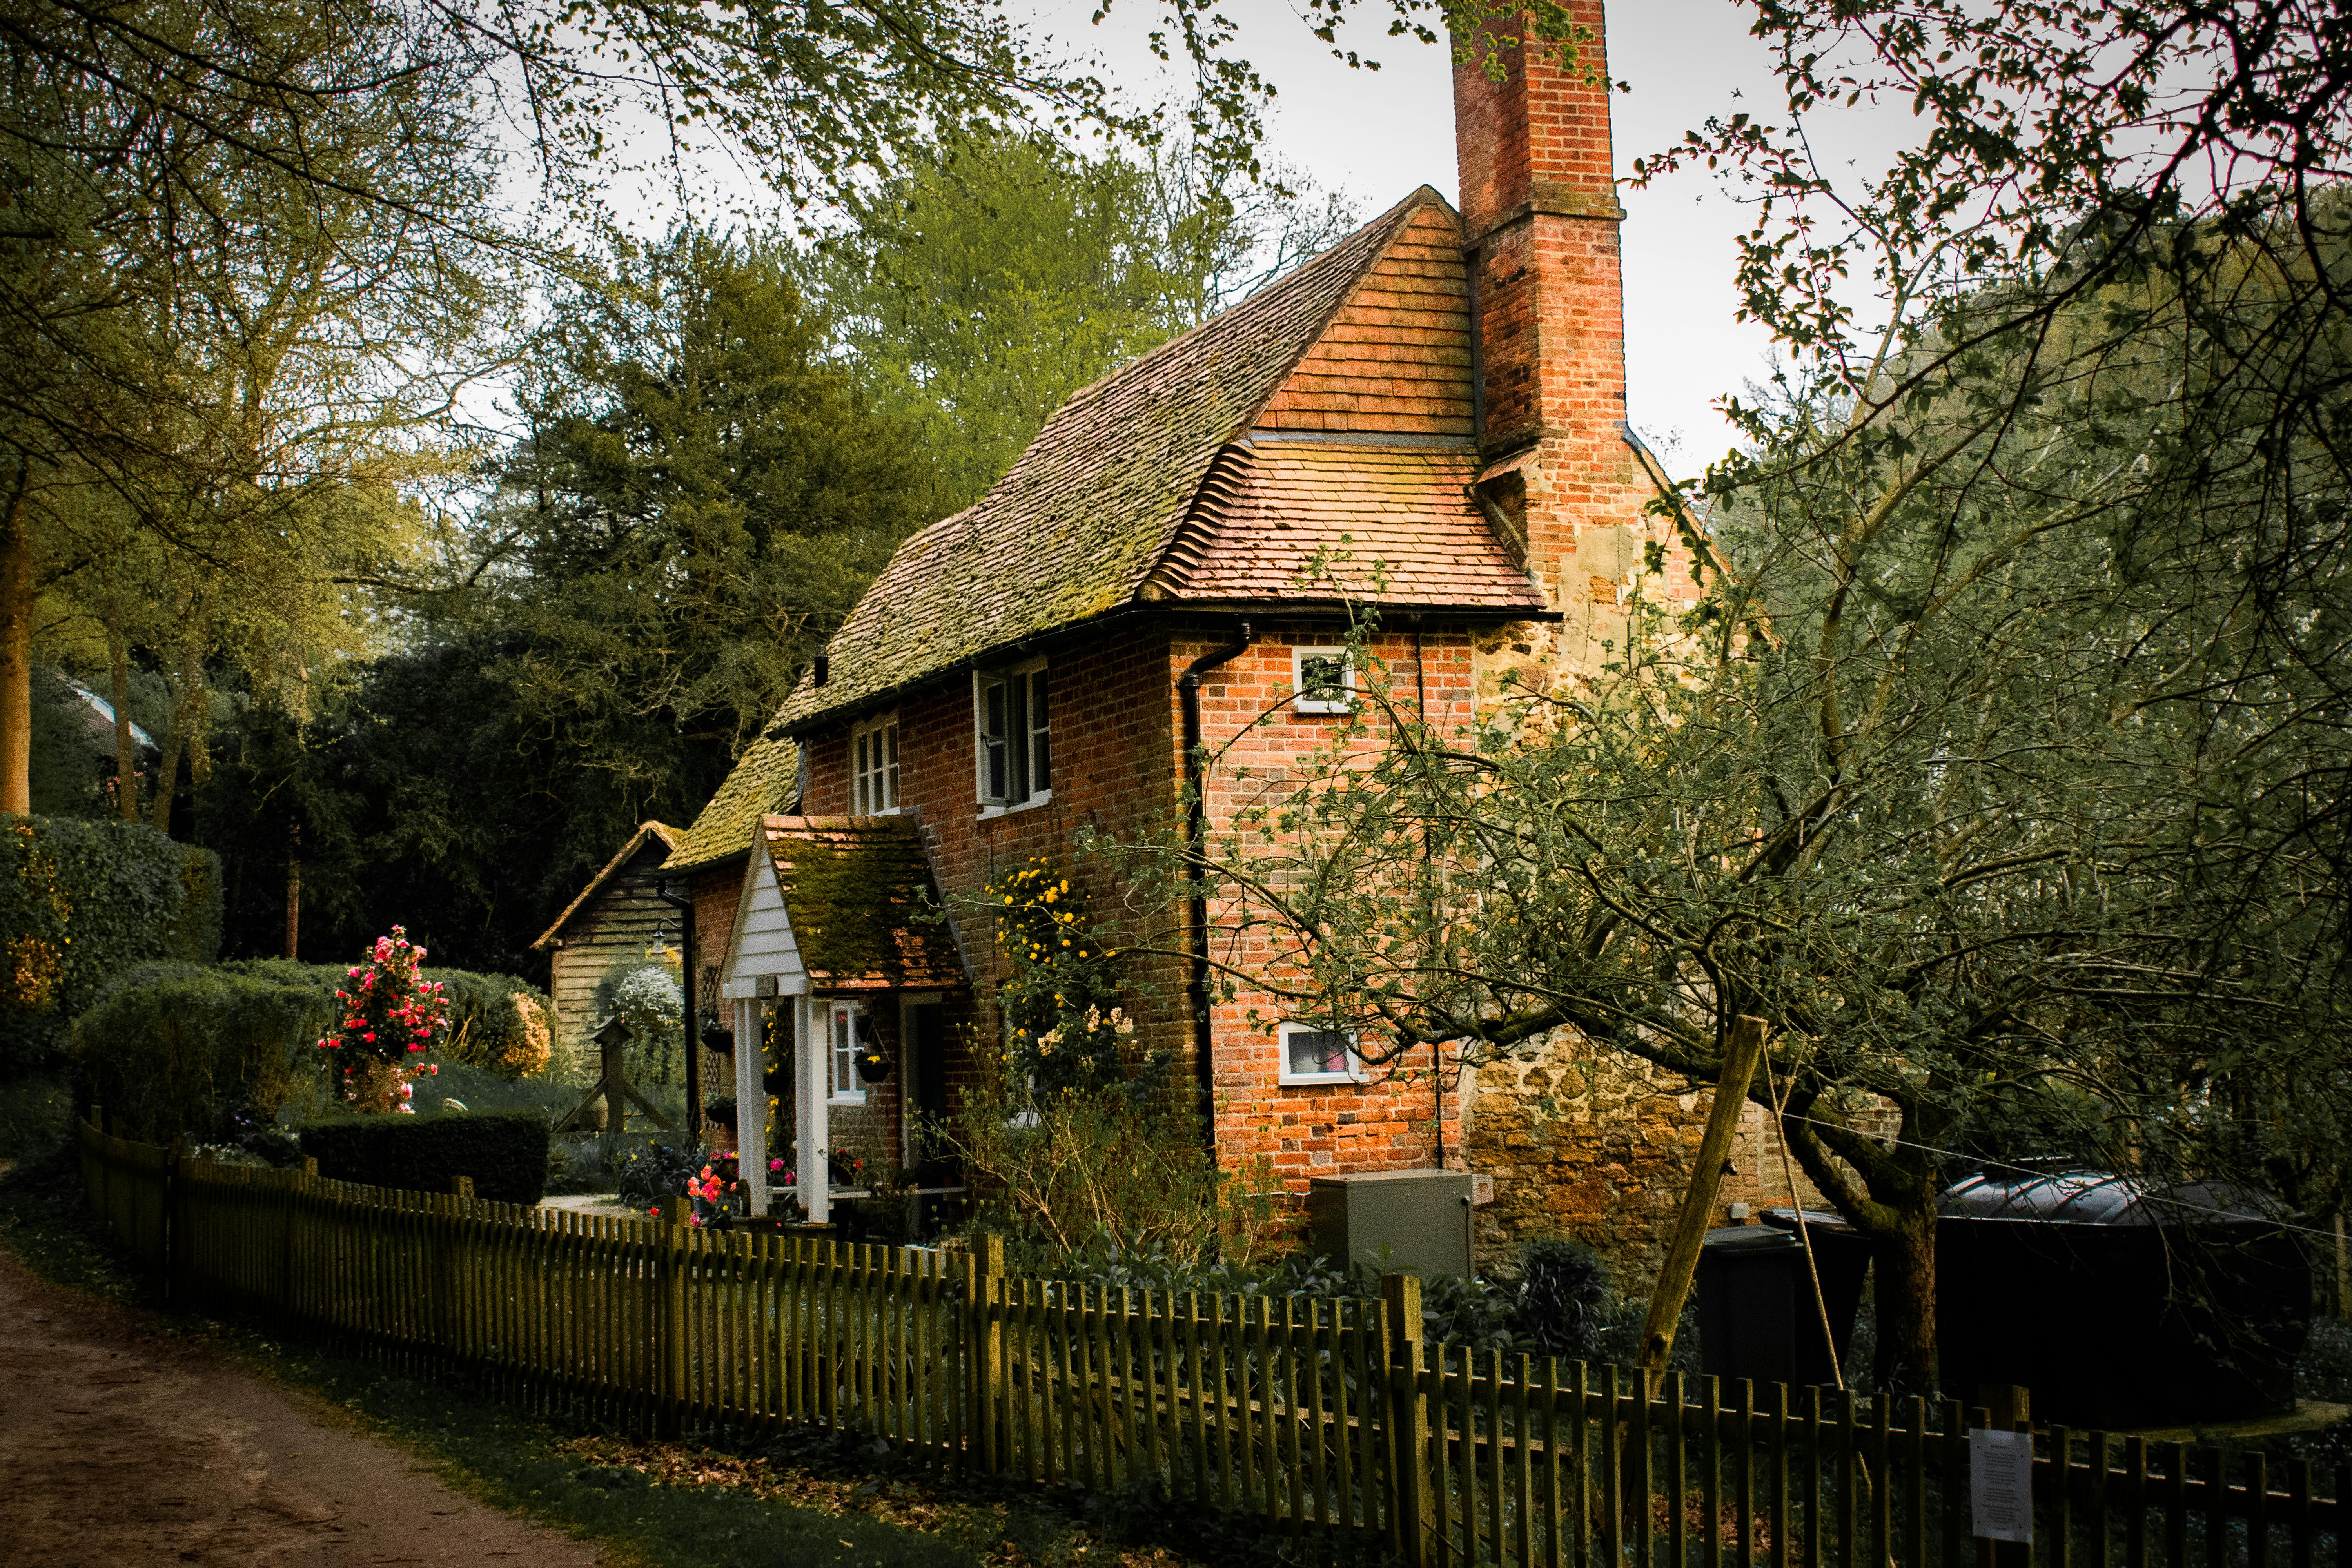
[907, 1505]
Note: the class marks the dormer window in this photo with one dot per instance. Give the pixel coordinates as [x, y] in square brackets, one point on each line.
[1013, 750]
[874, 767]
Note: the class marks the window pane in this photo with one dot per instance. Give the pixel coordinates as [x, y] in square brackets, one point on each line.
[1017, 732]
[1041, 752]
[1317, 1052]
[1323, 677]
[994, 766]
[890, 769]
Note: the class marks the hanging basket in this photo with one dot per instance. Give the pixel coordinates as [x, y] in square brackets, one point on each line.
[873, 1067]
[719, 1040]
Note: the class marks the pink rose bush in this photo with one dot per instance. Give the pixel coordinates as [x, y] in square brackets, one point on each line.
[392, 1016]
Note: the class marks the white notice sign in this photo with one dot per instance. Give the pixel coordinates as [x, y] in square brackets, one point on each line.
[2000, 1484]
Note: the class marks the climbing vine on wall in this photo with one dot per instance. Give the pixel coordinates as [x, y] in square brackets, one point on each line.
[1066, 1027]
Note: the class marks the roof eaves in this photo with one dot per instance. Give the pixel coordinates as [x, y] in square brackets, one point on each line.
[669, 836]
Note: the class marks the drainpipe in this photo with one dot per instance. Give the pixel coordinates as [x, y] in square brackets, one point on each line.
[689, 1011]
[1196, 839]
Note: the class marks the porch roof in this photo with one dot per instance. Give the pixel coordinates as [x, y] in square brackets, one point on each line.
[862, 901]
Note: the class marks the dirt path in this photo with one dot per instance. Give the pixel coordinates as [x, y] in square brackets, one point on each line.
[121, 1447]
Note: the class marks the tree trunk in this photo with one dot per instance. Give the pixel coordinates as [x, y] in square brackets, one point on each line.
[167, 773]
[126, 756]
[294, 896]
[1905, 1259]
[17, 650]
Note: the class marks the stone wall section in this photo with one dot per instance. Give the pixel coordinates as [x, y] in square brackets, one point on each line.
[1590, 1144]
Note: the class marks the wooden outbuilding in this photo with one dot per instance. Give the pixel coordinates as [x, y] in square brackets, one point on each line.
[614, 923]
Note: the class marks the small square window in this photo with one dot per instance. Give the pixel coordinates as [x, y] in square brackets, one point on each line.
[874, 768]
[1318, 1055]
[1324, 680]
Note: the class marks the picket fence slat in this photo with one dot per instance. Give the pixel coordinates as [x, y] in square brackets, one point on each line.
[1308, 1415]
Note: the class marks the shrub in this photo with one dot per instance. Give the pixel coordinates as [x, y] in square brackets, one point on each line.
[188, 1050]
[391, 1016]
[496, 1022]
[504, 1151]
[82, 902]
[1564, 1298]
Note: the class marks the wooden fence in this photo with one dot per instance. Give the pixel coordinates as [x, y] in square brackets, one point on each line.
[1331, 1417]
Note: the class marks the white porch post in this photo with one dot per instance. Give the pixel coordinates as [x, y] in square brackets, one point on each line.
[812, 1049]
[751, 1105]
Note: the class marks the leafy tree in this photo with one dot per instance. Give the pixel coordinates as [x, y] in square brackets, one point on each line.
[703, 495]
[2001, 765]
[980, 288]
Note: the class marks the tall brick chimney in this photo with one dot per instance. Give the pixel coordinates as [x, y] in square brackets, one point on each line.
[1540, 220]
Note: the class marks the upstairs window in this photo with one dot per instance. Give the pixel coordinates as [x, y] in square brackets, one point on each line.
[1324, 680]
[1318, 1055]
[874, 768]
[1014, 751]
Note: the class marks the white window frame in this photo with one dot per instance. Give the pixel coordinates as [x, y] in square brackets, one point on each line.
[841, 1060]
[1354, 1074]
[873, 779]
[1028, 750]
[1300, 701]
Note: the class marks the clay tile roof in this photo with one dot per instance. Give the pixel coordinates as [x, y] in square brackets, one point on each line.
[761, 781]
[1087, 514]
[669, 837]
[1392, 524]
[859, 893]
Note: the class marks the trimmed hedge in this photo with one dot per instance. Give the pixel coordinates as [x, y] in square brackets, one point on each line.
[82, 902]
[190, 1050]
[504, 1151]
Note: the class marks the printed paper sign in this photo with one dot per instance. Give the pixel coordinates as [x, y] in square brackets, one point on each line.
[2000, 1484]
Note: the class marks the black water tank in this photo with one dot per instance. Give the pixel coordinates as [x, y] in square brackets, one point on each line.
[2120, 1304]
[1757, 1315]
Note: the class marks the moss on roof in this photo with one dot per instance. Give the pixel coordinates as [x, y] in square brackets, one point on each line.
[1087, 514]
[762, 781]
[859, 894]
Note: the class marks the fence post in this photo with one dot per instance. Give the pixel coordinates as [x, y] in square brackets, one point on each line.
[167, 1221]
[673, 1345]
[1408, 1413]
[984, 1347]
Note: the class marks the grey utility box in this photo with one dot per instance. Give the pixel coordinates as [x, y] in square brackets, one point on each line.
[1423, 1217]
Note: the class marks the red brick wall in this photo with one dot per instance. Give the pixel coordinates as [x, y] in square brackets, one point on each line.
[1118, 719]
[1394, 1121]
[715, 890]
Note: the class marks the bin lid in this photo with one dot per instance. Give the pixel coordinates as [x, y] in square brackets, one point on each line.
[1820, 1220]
[1745, 1239]
[2104, 1197]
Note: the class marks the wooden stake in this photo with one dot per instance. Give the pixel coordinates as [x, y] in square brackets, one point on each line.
[1740, 1058]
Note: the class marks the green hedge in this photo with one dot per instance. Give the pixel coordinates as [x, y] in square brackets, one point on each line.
[80, 902]
[504, 1151]
[189, 1050]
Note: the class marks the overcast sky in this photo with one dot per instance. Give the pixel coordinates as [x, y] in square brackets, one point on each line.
[1379, 136]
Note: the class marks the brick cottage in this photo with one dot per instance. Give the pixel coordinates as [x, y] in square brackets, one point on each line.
[1437, 406]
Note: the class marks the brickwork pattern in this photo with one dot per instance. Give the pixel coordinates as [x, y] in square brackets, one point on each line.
[1405, 1114]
